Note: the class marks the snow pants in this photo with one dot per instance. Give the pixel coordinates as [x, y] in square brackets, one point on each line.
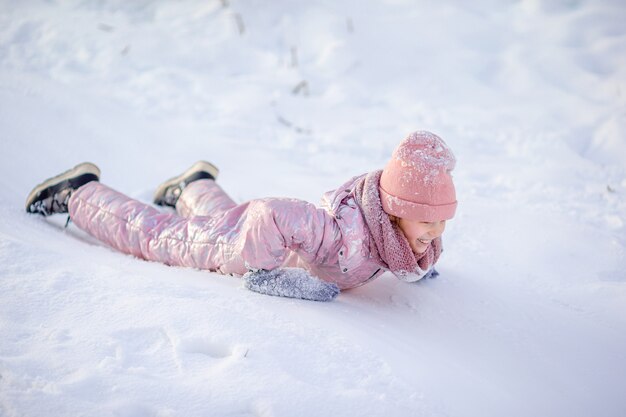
[209, 230]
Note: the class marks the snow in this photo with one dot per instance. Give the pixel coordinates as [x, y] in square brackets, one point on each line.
[528, 316]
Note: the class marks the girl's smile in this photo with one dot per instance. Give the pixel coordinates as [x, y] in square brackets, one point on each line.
[421, 234]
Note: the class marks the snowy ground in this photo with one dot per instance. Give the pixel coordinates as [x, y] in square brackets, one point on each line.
[528, 317]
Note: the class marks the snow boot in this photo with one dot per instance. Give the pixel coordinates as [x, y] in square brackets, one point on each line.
[51, 196]
[167, 193]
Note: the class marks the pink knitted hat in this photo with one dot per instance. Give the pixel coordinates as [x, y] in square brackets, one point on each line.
[416, 184]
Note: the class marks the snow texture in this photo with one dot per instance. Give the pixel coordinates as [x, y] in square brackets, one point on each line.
[292, 98]
[424, 150]
[291, 283]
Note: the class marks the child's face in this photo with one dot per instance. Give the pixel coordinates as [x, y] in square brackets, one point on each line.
[420, 234]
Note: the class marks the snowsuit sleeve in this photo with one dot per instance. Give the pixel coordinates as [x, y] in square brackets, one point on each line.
[273, 227]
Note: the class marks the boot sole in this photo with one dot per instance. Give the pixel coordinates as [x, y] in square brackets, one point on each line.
[86, 168]
[198, 166]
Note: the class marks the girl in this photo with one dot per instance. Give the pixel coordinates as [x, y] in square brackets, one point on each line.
[385, 220]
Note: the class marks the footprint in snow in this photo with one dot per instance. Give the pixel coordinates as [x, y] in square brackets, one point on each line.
[206, 356]
[212, 349]
[147, 350]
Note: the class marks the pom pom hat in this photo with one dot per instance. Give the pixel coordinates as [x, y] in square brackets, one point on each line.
[417, 183]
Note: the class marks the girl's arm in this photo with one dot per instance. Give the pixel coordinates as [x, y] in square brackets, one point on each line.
[275, 226]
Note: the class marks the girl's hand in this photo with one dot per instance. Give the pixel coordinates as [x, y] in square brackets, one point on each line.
[290, 282]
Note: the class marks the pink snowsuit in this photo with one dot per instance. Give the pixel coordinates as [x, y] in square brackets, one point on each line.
[210, 231]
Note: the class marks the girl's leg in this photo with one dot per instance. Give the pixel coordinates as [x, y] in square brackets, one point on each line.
[258, 234]
[204, 198]
[141, 230]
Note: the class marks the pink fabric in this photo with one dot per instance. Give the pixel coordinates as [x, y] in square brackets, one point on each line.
[210, 231]
[390, 244]
[416, 183]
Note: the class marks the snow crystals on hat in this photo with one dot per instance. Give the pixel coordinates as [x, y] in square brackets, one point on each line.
[417, 183]
[427, 153]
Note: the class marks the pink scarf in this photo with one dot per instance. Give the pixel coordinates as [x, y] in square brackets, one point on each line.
[390, 244]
